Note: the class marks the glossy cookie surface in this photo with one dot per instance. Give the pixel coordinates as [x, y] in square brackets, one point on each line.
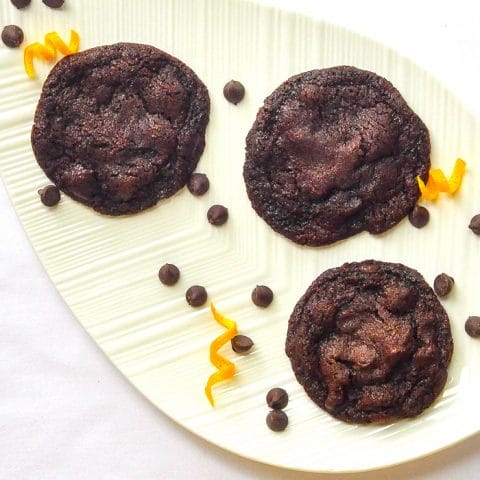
[120, 127]
[370, 342]
[334, 152]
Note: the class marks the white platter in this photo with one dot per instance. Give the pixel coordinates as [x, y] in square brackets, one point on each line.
[106, 268]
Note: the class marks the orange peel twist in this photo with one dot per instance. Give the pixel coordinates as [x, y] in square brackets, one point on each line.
[437, 181]
[48, 50]
[226, 369]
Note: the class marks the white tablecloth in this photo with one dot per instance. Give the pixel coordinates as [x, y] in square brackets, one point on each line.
[66, 413]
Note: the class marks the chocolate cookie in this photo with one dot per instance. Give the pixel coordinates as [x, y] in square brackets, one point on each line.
[120, 127]
[333, 152]
[370, 342]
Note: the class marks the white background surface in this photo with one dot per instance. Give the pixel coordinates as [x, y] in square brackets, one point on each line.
[65, 412]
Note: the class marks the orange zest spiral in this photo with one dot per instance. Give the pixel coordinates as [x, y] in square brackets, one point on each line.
[48, 51]
[226, 369]
[437, 181]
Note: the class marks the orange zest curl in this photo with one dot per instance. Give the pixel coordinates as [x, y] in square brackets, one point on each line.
[226, 369]
[48, 50]
[437, 181]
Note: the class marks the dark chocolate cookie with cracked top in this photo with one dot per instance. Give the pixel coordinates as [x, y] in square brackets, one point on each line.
[370, 342]
[120, 127]
[333, 152]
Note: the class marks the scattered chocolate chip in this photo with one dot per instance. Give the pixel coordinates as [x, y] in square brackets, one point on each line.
[169, 274]
[472, 326]
[241, 343]
[54, 3]
[443, 284]
[262, 296]
[196, 296]
[419, 216]
[49, 195]
[277, 398]
[217, 215]
[277, 420]
[12, 36]
[21, 3]
[198, 184]
[475, 224]
[233, 91]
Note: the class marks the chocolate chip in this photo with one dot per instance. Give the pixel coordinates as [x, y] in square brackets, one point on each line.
[54, 3]
[103, 94]
[262, 296]
[419, 216]
[196, 296]
[169, 274]
[217, 215]
[443, 284]
[277, 420]
[12, 36]
[198, 184]
[49, 195]
[233, 91]
[277, 398]
[400, 298]
[475, 224]
[472, 326]
[241, 343]
[21, 3]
